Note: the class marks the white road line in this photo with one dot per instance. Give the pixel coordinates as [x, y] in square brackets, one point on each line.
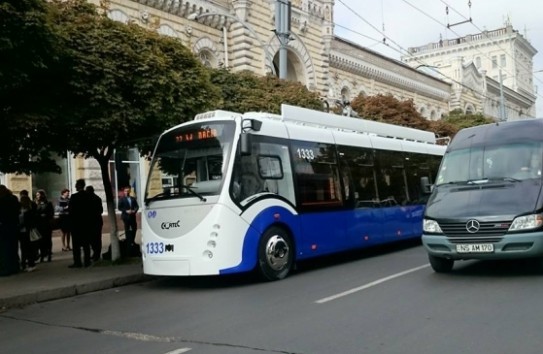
[179, 351]
[369, 285]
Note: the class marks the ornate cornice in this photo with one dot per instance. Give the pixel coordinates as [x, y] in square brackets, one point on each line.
[373, 72]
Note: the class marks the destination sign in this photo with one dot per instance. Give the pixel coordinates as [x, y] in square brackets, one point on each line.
[200, 134]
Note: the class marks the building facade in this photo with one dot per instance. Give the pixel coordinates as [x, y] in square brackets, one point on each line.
[490, 72]
[241, 35]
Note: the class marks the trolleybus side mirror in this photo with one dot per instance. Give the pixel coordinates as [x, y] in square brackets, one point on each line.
[425, 185]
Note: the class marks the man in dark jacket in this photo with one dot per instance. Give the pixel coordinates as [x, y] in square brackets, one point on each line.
[9, 220]
[81, 222]
[129, 208]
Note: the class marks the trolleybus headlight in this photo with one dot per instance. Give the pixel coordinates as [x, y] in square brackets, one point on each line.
[526, 222]
[431, 226]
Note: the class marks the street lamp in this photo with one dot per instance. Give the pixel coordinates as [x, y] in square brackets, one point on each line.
[198, 16]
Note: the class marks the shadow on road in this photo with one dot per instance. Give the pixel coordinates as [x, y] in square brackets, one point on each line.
[518, 267]
[250, 279]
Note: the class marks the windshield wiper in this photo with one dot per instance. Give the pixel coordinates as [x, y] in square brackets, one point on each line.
[508, 179]
[160, 196]
[193, 192]
[170, 194]
[455, 182]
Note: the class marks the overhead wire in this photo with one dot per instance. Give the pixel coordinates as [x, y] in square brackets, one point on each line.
[519, 63]
[458, 35]
[404, 51]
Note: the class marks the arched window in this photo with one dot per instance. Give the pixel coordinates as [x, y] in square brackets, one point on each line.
[207, 58]
[167, 31]
[119, 16]
[422, 112]
[345, 94]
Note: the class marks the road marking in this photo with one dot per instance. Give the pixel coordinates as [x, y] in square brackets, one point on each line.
[180, 351]
[369, 285]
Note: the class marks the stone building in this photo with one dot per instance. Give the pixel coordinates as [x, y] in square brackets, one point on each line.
[483, 68]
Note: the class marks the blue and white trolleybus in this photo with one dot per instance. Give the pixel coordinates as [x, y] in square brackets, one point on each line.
[230, 193]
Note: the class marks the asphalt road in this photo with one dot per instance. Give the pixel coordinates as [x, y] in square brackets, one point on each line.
[382, 301]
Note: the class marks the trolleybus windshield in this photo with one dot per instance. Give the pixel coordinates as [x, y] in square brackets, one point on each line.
[190, 161]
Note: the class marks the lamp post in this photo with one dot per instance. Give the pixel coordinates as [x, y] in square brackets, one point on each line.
[196, 17]
[282, 31]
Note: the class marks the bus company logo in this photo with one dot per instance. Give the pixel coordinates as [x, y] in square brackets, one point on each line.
[151, 214]
[472, 226]
[170, 225]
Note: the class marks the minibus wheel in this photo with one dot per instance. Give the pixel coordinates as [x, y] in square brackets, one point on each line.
[440, 264]
[275, 254]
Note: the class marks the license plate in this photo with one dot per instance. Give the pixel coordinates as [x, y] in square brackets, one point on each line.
[475, 248]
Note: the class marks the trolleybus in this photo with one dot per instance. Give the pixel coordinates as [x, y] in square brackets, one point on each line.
[229, 193]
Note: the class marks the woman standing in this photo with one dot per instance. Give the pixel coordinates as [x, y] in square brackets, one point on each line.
[27, 220]
[45, 212]
[63, 218]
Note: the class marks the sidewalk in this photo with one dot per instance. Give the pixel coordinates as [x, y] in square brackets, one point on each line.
[54, 280]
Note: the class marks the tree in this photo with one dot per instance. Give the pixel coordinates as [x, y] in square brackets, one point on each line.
[244, 92]
[28, 52]
[460, 120]
[443, 130]
[388, 109]
[121, 86]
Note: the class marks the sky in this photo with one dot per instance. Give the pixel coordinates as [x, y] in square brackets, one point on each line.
[413, 23]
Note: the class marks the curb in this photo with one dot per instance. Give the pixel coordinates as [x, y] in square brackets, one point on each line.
[69, 291]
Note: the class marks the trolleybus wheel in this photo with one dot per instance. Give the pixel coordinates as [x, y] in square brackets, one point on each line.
[275, 254]
[441, 265]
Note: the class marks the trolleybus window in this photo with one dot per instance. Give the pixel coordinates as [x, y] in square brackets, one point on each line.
[190, 161]
[266, 170]
[317, 174]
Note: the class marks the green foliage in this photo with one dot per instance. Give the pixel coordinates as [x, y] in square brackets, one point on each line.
[245, 92]
[460, 120]
[388, 109]
[122, 84]
[28, 51]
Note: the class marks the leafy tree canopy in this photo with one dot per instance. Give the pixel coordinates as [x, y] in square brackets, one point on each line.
[245, 92]
[28, 51]
[388, 109]
[461, 120]
[121, 84]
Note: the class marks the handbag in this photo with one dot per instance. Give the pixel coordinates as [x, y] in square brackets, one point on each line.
[34, 235]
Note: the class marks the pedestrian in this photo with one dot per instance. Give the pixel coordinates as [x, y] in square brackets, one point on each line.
[27, 221]
[45, 214]
[63, 218]
[129, 207]
[80, 223]
[24, 193]
[97, 223]
[9, 223]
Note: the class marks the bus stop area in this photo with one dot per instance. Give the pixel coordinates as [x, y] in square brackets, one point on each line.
[54, 280]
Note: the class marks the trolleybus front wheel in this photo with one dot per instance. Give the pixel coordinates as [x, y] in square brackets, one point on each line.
[441, 265]
[275, 254]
